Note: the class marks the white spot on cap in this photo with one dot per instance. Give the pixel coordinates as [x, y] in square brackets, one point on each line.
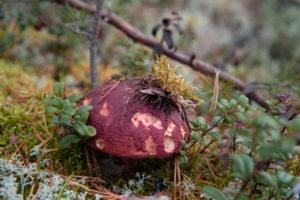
[104, 110]
[170, 129]
[100, 143]
[183, 133]
[86, 101]
[150, 145]
[146, 119]
[169, 145]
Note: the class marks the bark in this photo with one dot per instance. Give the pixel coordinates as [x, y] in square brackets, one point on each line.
[94, 44]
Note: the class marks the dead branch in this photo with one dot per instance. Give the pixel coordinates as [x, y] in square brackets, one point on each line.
[137, 36]
[92, 36]
[73, 28]
[93, 43]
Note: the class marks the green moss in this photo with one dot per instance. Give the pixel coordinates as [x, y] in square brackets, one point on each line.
[20, 115]
[16, 122]
[170, 81]
[23, 120]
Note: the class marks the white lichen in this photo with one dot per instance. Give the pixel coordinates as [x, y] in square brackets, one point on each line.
[16, 176]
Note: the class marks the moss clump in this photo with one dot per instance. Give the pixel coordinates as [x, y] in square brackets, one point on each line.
[170, 81]
[24, 123]
[21, 115]
[16, 126]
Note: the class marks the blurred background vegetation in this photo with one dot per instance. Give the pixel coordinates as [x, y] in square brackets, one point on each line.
[256, 40]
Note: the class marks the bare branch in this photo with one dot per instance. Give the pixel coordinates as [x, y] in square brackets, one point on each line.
[93, 44]
[72, 28]
[131, 32]
[93, 37]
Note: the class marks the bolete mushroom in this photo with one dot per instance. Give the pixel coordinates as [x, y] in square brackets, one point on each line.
[136, 119]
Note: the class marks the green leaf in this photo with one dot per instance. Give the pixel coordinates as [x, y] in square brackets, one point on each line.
[240, 116]
[266, 121]
[294, 125]
[56, 102]
[48, 100]
[69, 111]
[280, 150]
[223, 104]
[81, 128]
[198, 124]
[214, 193]
[51, 109]
[65, 121]
[243, 100]
[215, 135]
[285, 178]
[55, 120]
[85, 108]
[267, 179]
[286, 193]
[82, 116]
[58, 89]
[196, 137]
[216, 120]
[68, 140]
[91, 131]
[243, 166]
[183, 159]
[74, 98]
[232, 103]
[243, 196]
[83, 113]
[268, 151]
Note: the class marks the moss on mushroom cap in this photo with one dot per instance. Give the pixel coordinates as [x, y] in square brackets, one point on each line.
[129, 127]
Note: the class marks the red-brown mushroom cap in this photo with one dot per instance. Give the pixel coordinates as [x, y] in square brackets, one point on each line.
[128, 128]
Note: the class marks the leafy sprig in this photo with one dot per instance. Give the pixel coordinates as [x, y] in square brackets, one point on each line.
[257, 146]
[66, 113]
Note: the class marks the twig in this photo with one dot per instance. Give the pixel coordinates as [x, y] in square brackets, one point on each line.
[215, 97]
[96, 166]
[175, 179]
[87, 157]
[210, 167]
[109, 91]
[72, 28]
[131, 32]
[245, 184]
[208, 145]
[19, 147]
[179, 178]
[94, 36]
[293, 116]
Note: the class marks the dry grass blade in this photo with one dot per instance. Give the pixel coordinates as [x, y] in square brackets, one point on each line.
[215, 97]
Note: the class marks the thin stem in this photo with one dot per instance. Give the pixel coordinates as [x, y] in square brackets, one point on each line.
[93, 64]
[208, 145]
[94, 37]
[234, 144]
[245, 184]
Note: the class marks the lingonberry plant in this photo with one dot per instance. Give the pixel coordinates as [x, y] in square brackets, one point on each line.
[66, 114]
[259, 143]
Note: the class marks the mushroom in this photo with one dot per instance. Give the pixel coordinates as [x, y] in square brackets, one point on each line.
[132, 120]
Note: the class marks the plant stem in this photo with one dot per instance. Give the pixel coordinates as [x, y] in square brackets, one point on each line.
[245, 184]
[94, 37]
